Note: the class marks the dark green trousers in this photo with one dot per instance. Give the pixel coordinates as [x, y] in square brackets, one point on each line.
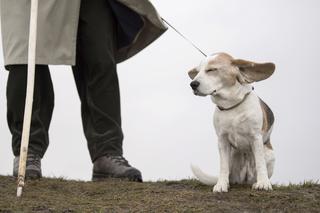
[97, 84]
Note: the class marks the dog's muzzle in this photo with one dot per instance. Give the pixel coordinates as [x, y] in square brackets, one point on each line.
[194, 84]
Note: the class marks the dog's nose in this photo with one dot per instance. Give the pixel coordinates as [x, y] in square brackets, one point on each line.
[194, 84]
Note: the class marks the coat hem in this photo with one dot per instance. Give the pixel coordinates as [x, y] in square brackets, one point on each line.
[40, 61]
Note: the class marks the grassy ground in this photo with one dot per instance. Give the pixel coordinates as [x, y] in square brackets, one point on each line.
[58, 195]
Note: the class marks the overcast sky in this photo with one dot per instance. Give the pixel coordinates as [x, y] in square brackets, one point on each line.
[166, 127]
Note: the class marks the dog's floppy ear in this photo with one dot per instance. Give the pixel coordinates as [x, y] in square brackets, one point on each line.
[192, 73]
[253, 72]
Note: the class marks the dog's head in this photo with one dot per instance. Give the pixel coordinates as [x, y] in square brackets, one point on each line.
[220, 72]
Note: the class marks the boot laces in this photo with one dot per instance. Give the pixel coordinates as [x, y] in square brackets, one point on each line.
[34, 160]
[120, 160]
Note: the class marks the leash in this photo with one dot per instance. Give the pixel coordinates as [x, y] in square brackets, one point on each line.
[184, 37]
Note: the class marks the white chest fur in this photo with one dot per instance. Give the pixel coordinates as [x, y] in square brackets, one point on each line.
[239, 126]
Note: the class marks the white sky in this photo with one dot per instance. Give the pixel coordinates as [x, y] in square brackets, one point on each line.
[166, 127]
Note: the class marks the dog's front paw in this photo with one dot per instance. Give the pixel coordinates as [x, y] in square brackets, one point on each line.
[221, 186]
[262, 185]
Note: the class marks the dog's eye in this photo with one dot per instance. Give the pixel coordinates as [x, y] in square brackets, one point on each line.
[212, 70]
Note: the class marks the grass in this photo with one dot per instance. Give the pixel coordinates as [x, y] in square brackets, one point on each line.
[59, 195]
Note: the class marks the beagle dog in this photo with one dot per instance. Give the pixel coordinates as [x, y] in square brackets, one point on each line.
[243, 122]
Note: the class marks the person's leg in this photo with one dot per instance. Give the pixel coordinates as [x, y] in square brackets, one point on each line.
[41, 113]
[95, 74]
[96, 78]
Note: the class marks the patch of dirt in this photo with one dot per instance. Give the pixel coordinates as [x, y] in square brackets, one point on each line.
[58, 195]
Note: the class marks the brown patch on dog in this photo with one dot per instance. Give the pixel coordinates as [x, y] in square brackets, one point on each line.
[192, 73]
[253, 72]
[268, 144]
[221, 58]
[228, 76]
[268, 120]
[268, 117]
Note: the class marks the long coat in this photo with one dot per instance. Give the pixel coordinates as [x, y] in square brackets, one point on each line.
[138, 24]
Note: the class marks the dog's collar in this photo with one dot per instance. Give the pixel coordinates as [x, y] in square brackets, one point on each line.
[236, 105]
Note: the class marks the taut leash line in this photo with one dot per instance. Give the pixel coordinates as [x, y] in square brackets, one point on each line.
[184, 37]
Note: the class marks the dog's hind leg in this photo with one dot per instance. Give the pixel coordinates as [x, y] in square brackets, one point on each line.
[263, 181]
[269, 158]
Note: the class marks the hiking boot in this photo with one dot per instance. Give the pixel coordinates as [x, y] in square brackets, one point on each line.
[114, 167]
[33, 168]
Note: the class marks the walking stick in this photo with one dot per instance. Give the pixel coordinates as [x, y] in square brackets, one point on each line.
[29, 96]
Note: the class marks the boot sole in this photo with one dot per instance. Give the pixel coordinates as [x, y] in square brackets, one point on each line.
[131, 176]
[31, 174]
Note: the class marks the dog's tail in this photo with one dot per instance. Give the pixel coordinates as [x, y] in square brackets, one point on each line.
[203, 178]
